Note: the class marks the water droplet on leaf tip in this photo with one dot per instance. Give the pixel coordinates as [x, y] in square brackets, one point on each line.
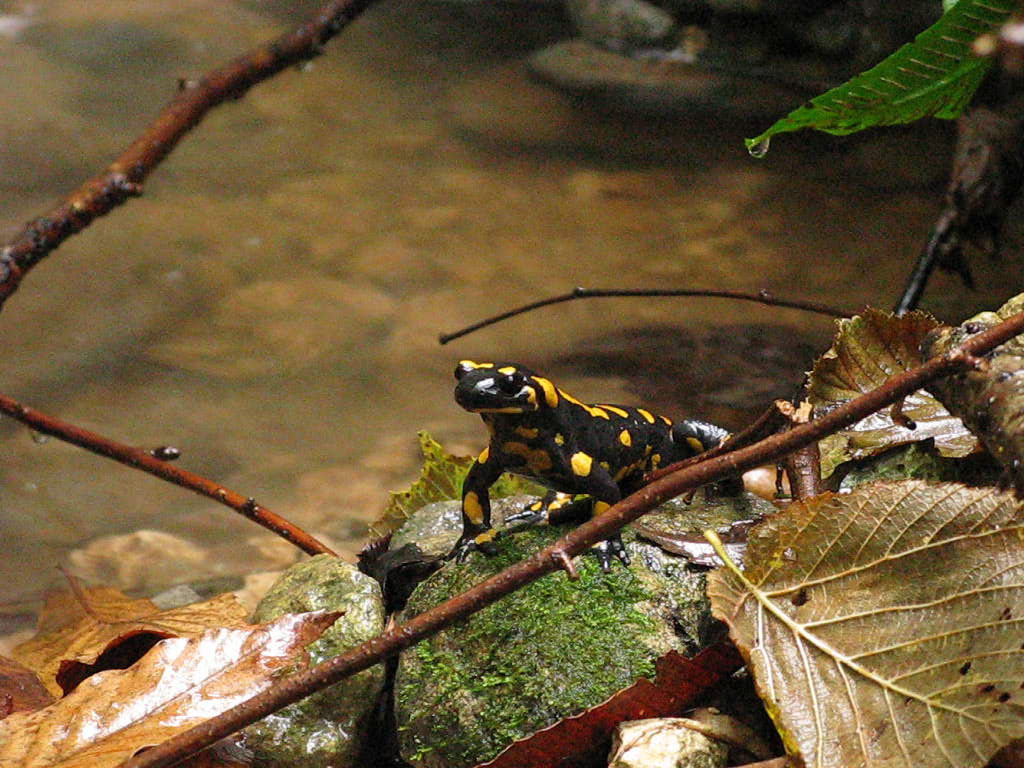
[759, 148]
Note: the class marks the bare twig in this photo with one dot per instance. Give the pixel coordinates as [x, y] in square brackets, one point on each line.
[575, 542]
[124, 177]
[803, 466]
[761, 297]
[147, 462]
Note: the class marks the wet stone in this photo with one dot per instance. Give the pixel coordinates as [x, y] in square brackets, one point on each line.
[325, 730]
[664, 742]
[548, 651]
[143, 561]
[654, 87]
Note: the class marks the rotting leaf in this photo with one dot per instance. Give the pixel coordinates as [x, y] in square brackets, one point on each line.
[583, 739]
[440, 480]
[177, 685]
[108, 619]
[868, 349]
[990, 400]
[883, 627]
[20, 689]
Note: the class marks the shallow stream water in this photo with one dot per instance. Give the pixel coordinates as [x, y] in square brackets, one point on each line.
[271, 305]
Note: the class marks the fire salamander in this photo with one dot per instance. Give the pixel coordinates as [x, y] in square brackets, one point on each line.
[542, 432]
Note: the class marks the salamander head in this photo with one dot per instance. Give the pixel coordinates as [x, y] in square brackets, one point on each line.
[501, 388]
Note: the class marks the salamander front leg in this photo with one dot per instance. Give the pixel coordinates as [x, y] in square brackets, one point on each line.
[477, 533]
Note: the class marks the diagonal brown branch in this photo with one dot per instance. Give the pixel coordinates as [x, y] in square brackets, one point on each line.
[147, 462]
[124, 177]
[577, 541]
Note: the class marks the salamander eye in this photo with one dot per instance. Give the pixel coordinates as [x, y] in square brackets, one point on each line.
[511, 384]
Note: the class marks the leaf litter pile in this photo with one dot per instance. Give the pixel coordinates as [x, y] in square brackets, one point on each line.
[882, 627]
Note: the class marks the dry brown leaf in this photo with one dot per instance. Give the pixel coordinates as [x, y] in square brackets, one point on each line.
[20, 689]
[867, 351]
[989, 398]
[100, 619]
[883, 627]
[178, 684]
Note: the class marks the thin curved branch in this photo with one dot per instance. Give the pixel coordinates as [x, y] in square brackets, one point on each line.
[124, 177]
[148, 462]
[579, 292]
[575, 542]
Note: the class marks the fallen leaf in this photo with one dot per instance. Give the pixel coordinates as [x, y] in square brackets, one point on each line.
[180, 683]
[20, 689]
[868, 350]
[883, 627]
[106, 623]
[990, 399]
[581, 739]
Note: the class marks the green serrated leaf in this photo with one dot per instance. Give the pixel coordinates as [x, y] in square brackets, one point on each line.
[440, 480]
[936, 75]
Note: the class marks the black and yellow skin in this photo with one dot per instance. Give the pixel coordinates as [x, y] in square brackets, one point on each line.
[542, 432]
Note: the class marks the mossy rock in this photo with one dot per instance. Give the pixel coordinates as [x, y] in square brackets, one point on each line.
[550, 650]
[324, 730]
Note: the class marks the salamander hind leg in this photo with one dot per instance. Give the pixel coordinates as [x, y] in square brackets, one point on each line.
[611, 548]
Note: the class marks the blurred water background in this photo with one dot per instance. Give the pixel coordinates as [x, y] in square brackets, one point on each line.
[271, 305]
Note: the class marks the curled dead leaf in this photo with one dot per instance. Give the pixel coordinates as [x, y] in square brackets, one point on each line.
[178, 684]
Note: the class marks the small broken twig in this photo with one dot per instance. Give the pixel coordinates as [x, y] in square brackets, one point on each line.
[803, 466]
[145, 460]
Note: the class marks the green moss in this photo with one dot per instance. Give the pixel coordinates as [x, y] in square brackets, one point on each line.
[548, 651]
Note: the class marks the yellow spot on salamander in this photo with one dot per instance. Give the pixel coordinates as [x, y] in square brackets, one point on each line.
[593, 410]
[655, 460]
[537, 506]
[528, 432]
[646, 414]
[606, 466]
[625, 438]
[485, 454]
[471, 364]
[507, 370]
[616, 410]
[550, 393]
[559, 439]
[695, 445]
[531, 396]
[483, 538]
[581, 463]
[666, 419]
[471, 506]
[600, 506]
[560, 500]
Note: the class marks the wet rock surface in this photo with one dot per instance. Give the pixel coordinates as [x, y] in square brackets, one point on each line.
[546, 652]
[328, 729]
